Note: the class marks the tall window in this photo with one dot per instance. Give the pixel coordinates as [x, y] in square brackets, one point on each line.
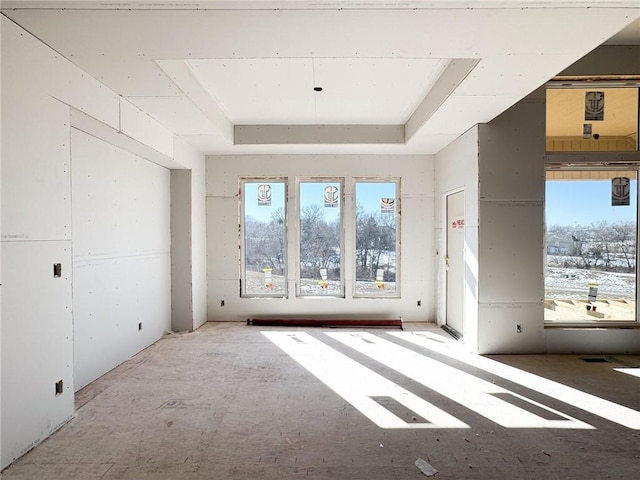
[376, 256]
[318, 236]
[591, 246]
[264, 237]
[320, 219]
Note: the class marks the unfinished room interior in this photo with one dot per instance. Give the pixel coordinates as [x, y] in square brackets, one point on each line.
[262, 239]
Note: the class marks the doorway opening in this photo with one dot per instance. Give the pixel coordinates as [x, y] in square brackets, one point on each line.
[454, 265]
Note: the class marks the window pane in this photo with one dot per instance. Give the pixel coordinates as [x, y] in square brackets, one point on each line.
[591, 238]
[376, 239]
[320, 238]
[264, 238]
[592, 119]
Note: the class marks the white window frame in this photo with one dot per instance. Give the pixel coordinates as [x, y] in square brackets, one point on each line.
[398, 216]
[296, 234]
[242, 239]
[587, 163]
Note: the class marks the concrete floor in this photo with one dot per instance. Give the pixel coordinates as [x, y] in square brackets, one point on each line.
[226, 403]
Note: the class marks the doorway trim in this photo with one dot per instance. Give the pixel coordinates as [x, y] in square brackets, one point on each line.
[443, 266]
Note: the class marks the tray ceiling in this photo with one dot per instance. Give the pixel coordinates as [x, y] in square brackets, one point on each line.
[396, 77]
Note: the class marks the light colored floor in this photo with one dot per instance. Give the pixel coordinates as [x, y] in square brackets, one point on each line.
[226, 402]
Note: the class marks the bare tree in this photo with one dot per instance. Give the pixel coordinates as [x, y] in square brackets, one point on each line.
[624, 235]
[600, 246]
[265, 243]
[375, 237]
[319, 242]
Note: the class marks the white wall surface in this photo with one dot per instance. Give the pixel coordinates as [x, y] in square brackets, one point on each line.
[511, 230]
[604, 60]
[509, 234]
[417, 244]
[181, 265]
[37, 349]
[194, 160]
[145, 129]
[121, 255]
[37, 336]
[1, 251]
[593, 340]
[512, 195]
[39, 88]
[190, 259]
[456, 168]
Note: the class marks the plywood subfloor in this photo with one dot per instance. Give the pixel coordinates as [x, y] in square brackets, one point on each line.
[227, 403]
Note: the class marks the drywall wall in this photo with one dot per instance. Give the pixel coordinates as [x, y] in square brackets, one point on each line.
[604, 60]
[37, 334]
[121, 255]
[416, 235]
[512, 156]
[456, 168]
[42, 96]
[607, 60]
[511, 205]
[181, 265]
[1, 251]
[617, 340]
[37, 350]
[191, 268]
[192, 159]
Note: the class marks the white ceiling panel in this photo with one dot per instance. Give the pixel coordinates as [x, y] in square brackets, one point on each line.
[421, 33]
[176, 113]
[284, 4]
[128, 75]
[511, 75]
[368, 91]
[257, 61]
[358, 91]
[260, 90]
[463, 112]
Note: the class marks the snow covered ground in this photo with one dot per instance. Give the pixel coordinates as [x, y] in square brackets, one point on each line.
[560, 283]
[312, 287]
[573, 283]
